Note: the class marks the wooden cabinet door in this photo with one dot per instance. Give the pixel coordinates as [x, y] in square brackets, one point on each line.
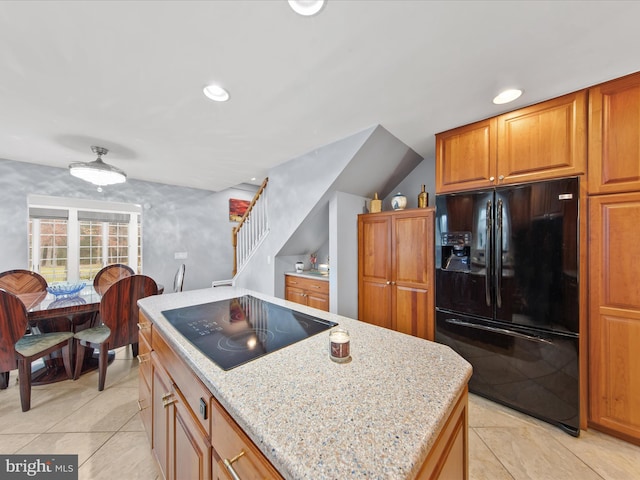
[191, 449]
[413, 272]
[161, 416]
[144, 384]
[375, 269]
[614, 136]
[294, 294]
[466, 157]
[318, 300]
[614, 315]
[546, 140]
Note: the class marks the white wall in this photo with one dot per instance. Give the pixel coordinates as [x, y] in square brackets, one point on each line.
[344, 209]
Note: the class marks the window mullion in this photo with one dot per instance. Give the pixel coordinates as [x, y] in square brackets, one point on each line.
[35, 245]
[105, 244]
[73, 246]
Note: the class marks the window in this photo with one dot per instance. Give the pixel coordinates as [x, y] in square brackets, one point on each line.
[72, 239]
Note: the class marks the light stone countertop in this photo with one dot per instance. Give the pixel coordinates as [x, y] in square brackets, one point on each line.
[306, 274]
[374, 417]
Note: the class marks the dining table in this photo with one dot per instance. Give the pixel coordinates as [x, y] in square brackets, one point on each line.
[49, 313]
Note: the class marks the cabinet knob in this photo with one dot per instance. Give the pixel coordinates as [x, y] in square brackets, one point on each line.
[388, 282]
[501, 177]
[491, 179]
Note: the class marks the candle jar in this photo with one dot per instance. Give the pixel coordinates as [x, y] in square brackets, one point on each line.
[339, 345]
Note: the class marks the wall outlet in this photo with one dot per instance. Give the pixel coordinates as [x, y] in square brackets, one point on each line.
[180, 255]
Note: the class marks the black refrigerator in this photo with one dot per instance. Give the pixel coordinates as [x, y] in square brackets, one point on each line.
[507, 294]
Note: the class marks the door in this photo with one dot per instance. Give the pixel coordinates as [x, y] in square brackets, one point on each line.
[466, 157]
[546, 140]
[412, 279]
[536, 260]
[375, 269]
[614, 143]
[614, 314]
[464, 228]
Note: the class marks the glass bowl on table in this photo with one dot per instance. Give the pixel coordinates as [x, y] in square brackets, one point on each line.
[66, 289]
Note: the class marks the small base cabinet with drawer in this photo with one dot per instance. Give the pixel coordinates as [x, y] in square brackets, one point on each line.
[191, 435]
[307, 291]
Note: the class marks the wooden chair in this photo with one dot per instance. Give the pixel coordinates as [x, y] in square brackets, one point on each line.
[16, 346]
[110, 275]
[119, 313]
[178, 280]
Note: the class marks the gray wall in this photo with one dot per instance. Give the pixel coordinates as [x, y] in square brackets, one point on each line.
[410, 186]
[174, 219]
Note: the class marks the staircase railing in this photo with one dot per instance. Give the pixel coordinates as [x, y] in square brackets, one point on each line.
[251, 230]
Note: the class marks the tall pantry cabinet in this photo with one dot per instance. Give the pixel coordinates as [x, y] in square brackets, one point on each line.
[614, 263]
[396, 270]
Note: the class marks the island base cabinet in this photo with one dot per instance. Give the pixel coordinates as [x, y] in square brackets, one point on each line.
[180, 447]
[449, 456]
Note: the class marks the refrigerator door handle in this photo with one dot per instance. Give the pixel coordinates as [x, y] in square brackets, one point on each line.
[487, 256]
[498, 255]
[503, 331]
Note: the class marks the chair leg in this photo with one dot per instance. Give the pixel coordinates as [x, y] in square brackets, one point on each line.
[4, 380]
[103, 357]
[134, 349]
[24, 374]
[66, 358]
[79, 359]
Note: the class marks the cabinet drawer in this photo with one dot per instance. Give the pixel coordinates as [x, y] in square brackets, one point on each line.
[144, 327]
[231, 443]
[189, 385]
[319, 286]
[144, 358]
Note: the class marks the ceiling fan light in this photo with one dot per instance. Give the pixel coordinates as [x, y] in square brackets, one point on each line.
[98, 172]
[306, 8]
[216, 93]
[507, 96]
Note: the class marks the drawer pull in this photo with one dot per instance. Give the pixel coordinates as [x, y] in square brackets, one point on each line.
[228, 464]
[144, 357]
[168, 400]
[140, 407]
[144, 326]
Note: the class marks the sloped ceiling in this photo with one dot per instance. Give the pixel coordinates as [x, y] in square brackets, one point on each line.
[129, 75]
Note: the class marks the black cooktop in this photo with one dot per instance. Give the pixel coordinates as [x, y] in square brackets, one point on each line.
[237, 330]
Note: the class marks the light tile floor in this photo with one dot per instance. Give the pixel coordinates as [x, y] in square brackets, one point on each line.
[104, 429]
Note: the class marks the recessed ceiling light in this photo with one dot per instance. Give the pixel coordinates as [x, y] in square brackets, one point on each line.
[507, 96]
[216, 93]
[306, 7]
[253, 179]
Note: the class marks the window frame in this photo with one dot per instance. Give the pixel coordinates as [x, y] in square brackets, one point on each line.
[72, 206]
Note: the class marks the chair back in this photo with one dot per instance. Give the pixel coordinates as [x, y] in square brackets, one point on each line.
[119, 308]
[178, 280]
[30, 287]
[13, 323]
[110, 275]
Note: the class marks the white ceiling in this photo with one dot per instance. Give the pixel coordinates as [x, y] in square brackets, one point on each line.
[129, 75]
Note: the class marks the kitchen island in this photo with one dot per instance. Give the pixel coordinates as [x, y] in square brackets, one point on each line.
[398, 409]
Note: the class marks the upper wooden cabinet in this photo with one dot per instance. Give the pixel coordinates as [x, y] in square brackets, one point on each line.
[614, 136]
[396, 270]
[543, 141]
